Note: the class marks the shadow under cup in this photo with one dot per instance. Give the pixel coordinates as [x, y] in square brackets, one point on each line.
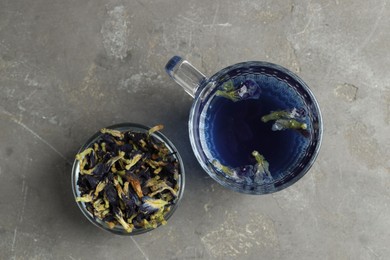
[287, 91]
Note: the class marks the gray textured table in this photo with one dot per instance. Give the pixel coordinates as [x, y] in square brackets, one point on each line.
[68, 68]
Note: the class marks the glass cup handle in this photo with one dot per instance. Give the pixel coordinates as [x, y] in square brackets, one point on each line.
[185, 74]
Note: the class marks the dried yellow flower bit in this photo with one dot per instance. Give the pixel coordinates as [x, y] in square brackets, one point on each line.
[158, 170]
[84, 198]
[84, 153]
[223, 168]
[106, 202]
[114, 133]
[103, 147]
[116, 158]
[99, 188]
[99, 206]
[130, 220]
[126, 187]
[158, 186]
[133, 161]
[143, 143]
[120, 173]
[119, 218]
[120, 180]
[105, 212]
[118, 187]
[163, 189]
[275, 115]
[155, 129]
[151, 205]
[146, 224]
[159, 216]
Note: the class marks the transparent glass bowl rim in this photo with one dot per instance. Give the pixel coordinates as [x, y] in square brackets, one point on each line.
[127, 127]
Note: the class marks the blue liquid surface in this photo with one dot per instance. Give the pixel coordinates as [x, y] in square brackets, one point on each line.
[233, 130]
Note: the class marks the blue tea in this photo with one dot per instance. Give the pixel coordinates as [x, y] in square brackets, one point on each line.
[255, 128]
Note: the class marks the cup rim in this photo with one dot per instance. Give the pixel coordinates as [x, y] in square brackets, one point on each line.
[127, 127]
[206, 89]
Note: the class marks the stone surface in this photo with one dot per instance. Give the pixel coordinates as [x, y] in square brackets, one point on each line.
[68, 68]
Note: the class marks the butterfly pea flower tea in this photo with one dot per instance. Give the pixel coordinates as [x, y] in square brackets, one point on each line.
[255, 127]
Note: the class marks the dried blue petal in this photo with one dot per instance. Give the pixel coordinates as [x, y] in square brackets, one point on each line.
[83, 183]
[111, 193]
[109, 218]
[288, 119]
[99, 171]
[298, 112]
[92, 181]
[144, 174]
[127, 148]
[250, 89]
[130, 205]
[108, 139]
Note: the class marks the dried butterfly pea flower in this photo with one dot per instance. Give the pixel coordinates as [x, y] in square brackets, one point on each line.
[262, 169]
[133, 161]
[282, 124]
[257, 173]
[155, 129]
[248, 89]
[99, 188]
[288, 119]
[119, 217]
[85, 198]
[150, 205]
[114, 133]
[158, 186]
[128, 179]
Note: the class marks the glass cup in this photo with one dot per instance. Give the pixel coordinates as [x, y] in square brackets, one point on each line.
[223, 132]
[118, 229]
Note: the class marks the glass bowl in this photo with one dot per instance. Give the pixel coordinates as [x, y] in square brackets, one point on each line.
[281, 90]
[118, 229]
